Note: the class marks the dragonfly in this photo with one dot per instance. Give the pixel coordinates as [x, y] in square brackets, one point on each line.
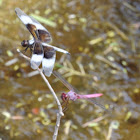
[42, 51]
[73, 94]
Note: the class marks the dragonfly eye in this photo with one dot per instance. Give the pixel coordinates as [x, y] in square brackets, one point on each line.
[63, 96]
[24, 43]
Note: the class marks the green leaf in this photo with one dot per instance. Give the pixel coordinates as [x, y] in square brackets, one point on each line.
[44, 20]
[9, 53]
[93, 124]
[128, 115]
[58, 65]
[1, 2]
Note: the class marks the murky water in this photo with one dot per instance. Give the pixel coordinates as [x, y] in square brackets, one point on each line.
[103, 39]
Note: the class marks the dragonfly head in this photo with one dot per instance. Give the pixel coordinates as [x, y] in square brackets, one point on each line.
[24, 43]
[64, 96]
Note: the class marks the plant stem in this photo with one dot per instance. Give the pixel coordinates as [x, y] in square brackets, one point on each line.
[60, 112]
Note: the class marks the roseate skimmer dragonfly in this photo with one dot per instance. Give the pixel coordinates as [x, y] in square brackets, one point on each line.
[73, 93]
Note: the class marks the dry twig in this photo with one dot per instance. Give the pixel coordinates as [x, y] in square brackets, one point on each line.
[60, 113]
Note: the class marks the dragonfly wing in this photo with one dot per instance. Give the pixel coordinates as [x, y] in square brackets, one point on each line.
[58, 75]
[44, 34]
[56, 48]
[36, 60]
[98, 104]
[48, 61]
[23, 17]
[29, 21]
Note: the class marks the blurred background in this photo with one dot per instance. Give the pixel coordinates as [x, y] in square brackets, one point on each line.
[103, 38]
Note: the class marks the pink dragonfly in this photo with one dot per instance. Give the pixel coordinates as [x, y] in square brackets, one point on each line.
[73, 93]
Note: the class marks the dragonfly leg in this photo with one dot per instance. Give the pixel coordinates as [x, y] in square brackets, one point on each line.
[65, 109]
[66, 104]
[31, 50]
[63, 103]
[24, 51]
[26, 48]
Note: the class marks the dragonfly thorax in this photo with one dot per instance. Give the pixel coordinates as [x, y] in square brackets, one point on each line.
[72, 95]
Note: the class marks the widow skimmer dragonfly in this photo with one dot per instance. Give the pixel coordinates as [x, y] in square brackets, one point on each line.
[41, 50]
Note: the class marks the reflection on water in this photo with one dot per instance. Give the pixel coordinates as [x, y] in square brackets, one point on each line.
[103, 39]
